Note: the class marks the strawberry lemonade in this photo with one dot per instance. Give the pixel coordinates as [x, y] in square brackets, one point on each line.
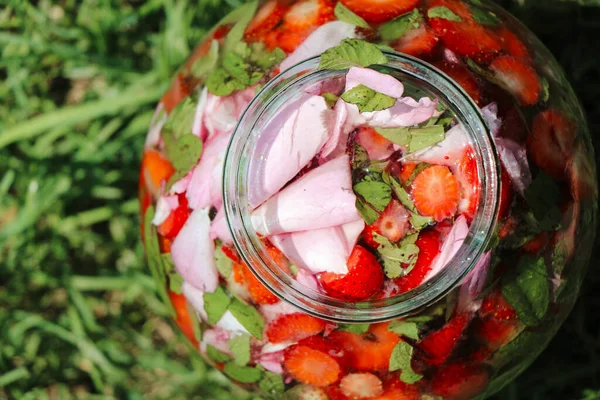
[388, 199]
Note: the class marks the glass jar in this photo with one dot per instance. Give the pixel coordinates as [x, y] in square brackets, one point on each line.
[347, 201]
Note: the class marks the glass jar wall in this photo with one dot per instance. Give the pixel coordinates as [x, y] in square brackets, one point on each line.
[405, 209]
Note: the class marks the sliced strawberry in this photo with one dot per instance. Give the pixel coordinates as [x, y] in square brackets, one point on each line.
[277, 256]
[394, 389]
[378, 11]
[182, 316]
[237, 272]
[175, 221]
[289, 40]
[537, 244]
[495, 304]
[307, 14]
[376, 145]
[435, 192]
[369, 351]
[468, 177]
[311, 366]
[177, 92]
[367, 236]
[517, 78]
[438, 345]
[459, 381]
[294, 327]
[496, 333]
[307, 392]
[155, 170]
[406, 172]
[364, 278]
[361, 386]
[550, 144]
[164, 244]
[267, 17]
[393, 222]
[318, 342]
[507, 226]
[230, 253]
[429, 247]
[418, 42]
[512, 45]
[259, 292]
[467, 39]
[463, 77]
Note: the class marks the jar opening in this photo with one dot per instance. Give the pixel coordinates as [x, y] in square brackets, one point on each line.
[241, 197]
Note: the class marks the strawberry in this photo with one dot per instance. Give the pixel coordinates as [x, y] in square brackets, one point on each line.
[463, 77]
[367, 236]
[267, 17]
[429, 247]
[237, 272]
[506, 193]
[361, 385]
[466, 38]
[144, 200]
[155, 170]
[277, 256]
[458, 7]
[507, 227]
[175, 221]
[496, 333]
[459, 381]
[495, 304]
[419, 42]
[318, 342]
[376, 145]
[177, 92]
[512, 45]
[582, 174]
[438, 345]
[518, 78]
[311, 366]
[202, 49]
[393, 222]
[550, 144]
[308, 14]
[182, 316]
[394, 389]
[230, 253]
[259, 292]
[406, 172]
[537, 244]
[294, 327]
[469, 182]
[435, 192]
[289, 40]
[164, 244]
[369, 351]
[306, 392]
[378, 11]
[364, 278]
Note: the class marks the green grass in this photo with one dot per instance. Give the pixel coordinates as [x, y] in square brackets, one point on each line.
[79, 316]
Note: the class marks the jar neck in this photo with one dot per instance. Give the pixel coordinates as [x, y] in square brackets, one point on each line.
[284, 89]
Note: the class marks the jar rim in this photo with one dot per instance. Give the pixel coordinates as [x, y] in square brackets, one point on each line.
[284, 286]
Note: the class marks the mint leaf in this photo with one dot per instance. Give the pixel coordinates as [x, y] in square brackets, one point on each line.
[183, 154]
[223, 263]
[398, 27]
[180, 120]
[404, 328]
[400, 136]
[352, 53]
[220, 83]
[263, 58]
[354, 328]
[236, 67]
[249, 317]
[217, 355]
[542, 196]
[400, 360]
[484, 17]
[215, 304]
[175, 280]
[545, 93]
[330, 98]
[378, 194]
[236, 34]
[366, 212]
[208, 62]
[367, 99]
[417, 220]
[527, 290]
[425, 137]
[242, 374]
[343, 13]
[359, 156]
[240, 348]
[443, 12]
[155, 261]
[272, 383]
[394, 256]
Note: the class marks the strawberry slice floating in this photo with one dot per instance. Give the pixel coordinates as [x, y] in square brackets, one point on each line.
[311, 366]
[459, 381]
[518, 78]
[419, 42]
[436, 192]
[267, 17]
[378, 11]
